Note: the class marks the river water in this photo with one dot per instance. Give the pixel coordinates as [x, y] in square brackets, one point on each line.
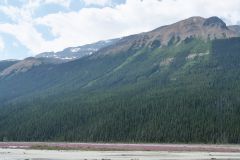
[22, 154]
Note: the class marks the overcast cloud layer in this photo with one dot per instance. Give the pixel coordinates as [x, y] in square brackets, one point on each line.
[25, 30]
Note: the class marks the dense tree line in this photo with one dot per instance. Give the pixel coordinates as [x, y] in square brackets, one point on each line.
[187, 101]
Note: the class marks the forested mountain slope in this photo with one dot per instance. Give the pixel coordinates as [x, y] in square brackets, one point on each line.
[192, 98]
[184, 91]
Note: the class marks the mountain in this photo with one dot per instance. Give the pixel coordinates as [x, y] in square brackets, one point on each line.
[194, 27]
[16, 67]
[6, 63]
[77, 52]
[235, 28]
[47, 58]
[176, 84]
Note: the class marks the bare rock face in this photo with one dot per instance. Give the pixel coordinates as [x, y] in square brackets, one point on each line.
[197, 27]
[194, 27]
[215, 22]
[235, 28]
[21, 66]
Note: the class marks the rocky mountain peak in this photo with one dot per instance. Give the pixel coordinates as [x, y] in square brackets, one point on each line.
[191, 21]
[193, 27]
[215, 22]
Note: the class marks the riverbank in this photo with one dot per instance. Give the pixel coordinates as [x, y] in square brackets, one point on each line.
[29, 154]
[121, 147]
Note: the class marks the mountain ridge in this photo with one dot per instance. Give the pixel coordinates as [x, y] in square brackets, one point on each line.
[72, 53]
[132, 91]
[198, 27]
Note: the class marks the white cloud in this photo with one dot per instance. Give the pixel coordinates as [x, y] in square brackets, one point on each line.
[97, 2]
[2, 45]
[26, 34]
[17, 14]
[65, 3]
[93, 24]
[26, 12]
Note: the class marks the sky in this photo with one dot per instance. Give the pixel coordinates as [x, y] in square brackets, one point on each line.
[30, 27]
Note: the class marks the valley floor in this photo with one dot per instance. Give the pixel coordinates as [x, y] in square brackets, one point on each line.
[28, 154]
[117, 151]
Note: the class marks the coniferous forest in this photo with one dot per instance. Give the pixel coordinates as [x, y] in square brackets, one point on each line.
[185, 93]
